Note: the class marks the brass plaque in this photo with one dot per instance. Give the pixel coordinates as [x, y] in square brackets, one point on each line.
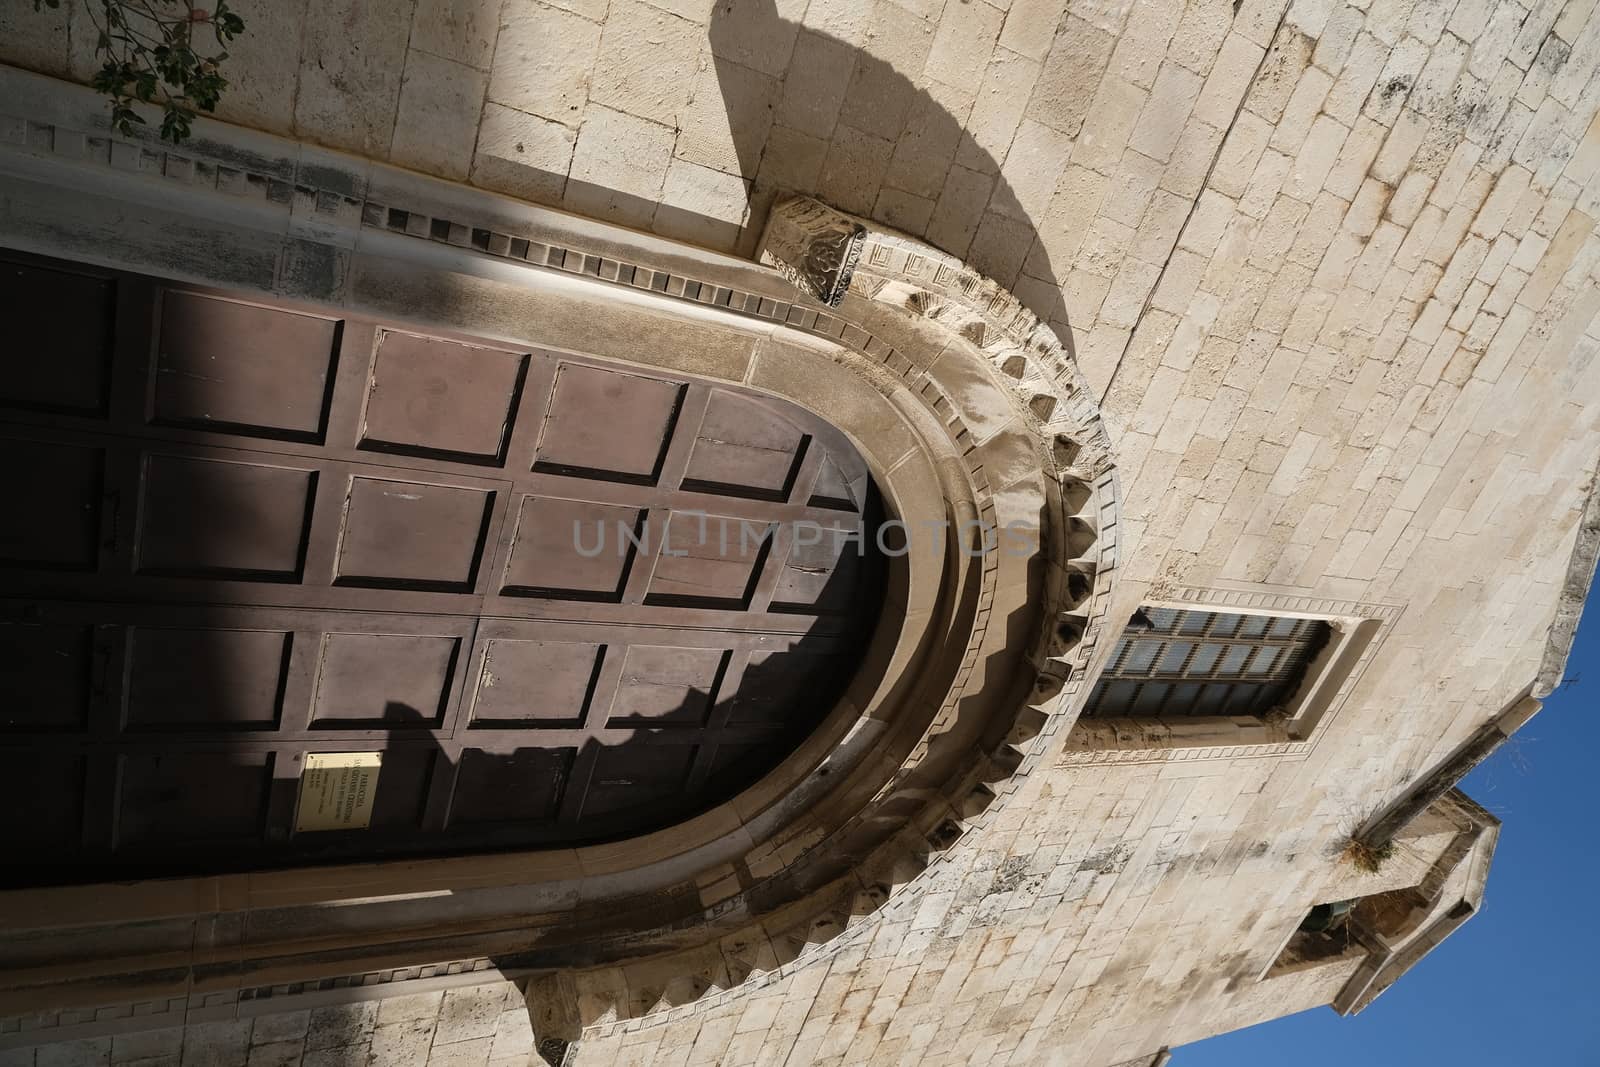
[336, 790]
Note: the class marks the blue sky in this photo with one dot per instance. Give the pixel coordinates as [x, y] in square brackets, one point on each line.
[1517, 984]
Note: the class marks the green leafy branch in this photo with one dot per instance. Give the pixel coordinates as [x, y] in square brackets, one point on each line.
[149, 56]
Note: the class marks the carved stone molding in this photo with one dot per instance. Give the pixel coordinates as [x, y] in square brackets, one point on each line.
[901, 277]
[813, 246]
[1053, 399]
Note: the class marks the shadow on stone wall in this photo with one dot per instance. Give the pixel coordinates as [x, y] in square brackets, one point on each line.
[785, 108]
[895, 155]
[904, 156]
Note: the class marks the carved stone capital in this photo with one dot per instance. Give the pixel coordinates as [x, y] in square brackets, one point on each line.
[815, 247]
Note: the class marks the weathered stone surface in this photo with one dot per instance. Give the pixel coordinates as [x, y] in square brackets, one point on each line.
[964, 42]
[543, 61]
[1067, 81]
[959, 209]
[998, 109]
[341, 1024]
[357, 1055]
[280, 1026]
[728, 121]
[261, 89]
[36, 40]
[853, 169]
[469, 1014]
[619, 165]
[440, 106]
[349, 77]
[814, 87]
[523, 155]
[880, 92]
[749, 36]
[1331, 268]
[925, 149]
[702, 205]
[650, 62]
[216, 1044]
[275, 1054]
[404, 1044]
[147, 1044]
[409, 1008]
[459, 30]
[793, 160]
[88, 1053]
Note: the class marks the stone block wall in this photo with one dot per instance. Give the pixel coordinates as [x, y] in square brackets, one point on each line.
[1332, 267]
[474, 1026]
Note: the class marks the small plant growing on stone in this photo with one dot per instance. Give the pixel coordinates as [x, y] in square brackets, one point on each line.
[1278, 715]
[1367, 856]
[150, 53]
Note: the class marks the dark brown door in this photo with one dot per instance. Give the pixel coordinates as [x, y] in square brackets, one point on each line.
[566, 600]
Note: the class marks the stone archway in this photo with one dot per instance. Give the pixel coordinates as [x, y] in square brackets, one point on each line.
[965, 410]
[908, 302]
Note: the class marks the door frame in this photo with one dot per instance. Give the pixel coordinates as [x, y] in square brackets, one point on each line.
[965, 408]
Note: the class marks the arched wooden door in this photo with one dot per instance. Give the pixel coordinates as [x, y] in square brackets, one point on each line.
[250, 546]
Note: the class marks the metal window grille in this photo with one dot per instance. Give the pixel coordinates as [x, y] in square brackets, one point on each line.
[1203, 663]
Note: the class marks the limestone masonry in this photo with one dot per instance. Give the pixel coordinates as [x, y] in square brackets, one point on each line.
[1320, 288]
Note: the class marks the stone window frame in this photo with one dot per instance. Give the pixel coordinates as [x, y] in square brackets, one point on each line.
[1221, 673]
[1358, 628]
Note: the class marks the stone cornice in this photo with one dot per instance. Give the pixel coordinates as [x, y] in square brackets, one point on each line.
[1574, 591]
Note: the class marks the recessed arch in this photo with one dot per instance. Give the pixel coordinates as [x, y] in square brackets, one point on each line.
[965, 409]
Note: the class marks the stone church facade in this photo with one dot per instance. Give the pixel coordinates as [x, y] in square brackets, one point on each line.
[1271, 325]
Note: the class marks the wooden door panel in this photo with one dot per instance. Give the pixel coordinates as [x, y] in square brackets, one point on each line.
[521, 788]
[63, 359]
[242, 687]
[837, 488]
[667, 685]
[407, 534]
[46, 675]
[629, 778]
[579, 434]
[212, 518]
[823, 566]
[709, 560]
[571, 549]
[132, 673]
[436, 398]
[45, 789]
[741, 449]
[563, 599]
[522, 683]
[392, 680]
[178, 799]
[55, 523]
[232, 365]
